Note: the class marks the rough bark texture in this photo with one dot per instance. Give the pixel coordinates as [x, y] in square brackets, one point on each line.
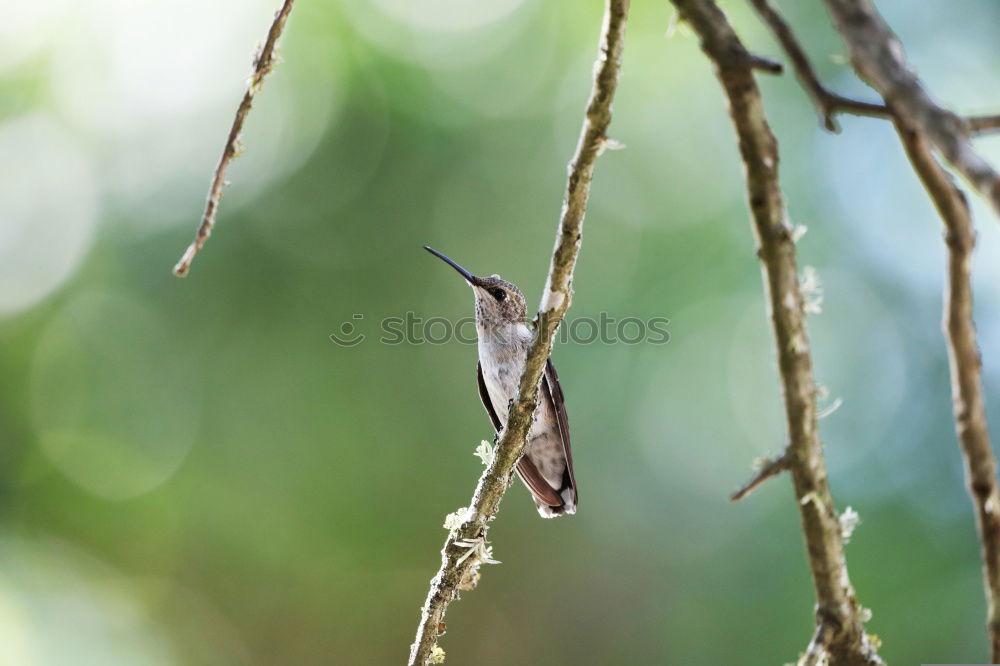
[263, 63]
[840, 638]
[458, 571]
[877, 56]
[963, 358]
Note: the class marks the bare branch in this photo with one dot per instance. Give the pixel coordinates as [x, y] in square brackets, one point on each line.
[963, 357]
[837, 606]
[765, 64]
[770, 468]
[457, 570]
[878, 58]
[984, 124]
[827, 103]
[263, 63]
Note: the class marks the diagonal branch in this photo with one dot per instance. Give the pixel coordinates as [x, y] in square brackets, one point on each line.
[963, 358]
[878, 58]
[458, 570]
[827, 102]
[263, 63]
[838, 613]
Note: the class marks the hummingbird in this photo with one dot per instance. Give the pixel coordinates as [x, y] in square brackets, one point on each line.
[546, 467]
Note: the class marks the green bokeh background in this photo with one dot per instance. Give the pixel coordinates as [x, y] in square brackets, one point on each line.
[193, 473]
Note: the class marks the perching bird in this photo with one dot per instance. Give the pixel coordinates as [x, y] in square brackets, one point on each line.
[504, 337]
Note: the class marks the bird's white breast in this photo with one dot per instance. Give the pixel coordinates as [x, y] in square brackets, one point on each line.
[501, 356]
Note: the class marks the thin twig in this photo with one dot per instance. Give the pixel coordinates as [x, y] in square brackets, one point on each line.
[878, 58]
[963, 357]
[455, 572]
[837, 606]
[263, 63]
[770, 468]
[827, 103]
[765, 64]
[983, 124]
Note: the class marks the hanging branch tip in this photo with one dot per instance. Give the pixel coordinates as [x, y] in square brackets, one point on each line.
[263, 63]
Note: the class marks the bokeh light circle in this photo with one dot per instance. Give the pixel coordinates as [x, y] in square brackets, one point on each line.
[48, 210]
[448, 14]
[109, 401]
[60, 606]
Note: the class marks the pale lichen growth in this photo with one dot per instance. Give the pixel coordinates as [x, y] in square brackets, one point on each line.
[798, 343]
[848, 521]
[798, 231]
[672, 23]
[238, 148]
[677, 26]
[609, 144]
[812, 290]
[991, 505]
[830, 409]
[865, 614]
[478, 547]
[470, 580]
[811, 497]
[437, 655]
[553, 300]
[485, 452]
[455, 519]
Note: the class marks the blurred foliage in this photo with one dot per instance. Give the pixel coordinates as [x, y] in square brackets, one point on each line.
[193, 473]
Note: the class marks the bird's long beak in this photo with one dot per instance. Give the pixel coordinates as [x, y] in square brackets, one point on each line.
[469, 277]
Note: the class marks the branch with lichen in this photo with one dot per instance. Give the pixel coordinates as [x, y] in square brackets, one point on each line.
[884, 62]
[963, 358]
[466, 547]
[263, 63]
[840, 638]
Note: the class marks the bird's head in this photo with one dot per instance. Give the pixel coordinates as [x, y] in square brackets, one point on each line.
[498, 302]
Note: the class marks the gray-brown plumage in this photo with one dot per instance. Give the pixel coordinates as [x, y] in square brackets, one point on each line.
[504, 337]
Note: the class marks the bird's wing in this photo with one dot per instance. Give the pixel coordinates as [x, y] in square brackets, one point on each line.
[526, 469]
[484, 395]
[559, 407]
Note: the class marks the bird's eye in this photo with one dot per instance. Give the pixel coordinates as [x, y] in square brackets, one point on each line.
[498, 293]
